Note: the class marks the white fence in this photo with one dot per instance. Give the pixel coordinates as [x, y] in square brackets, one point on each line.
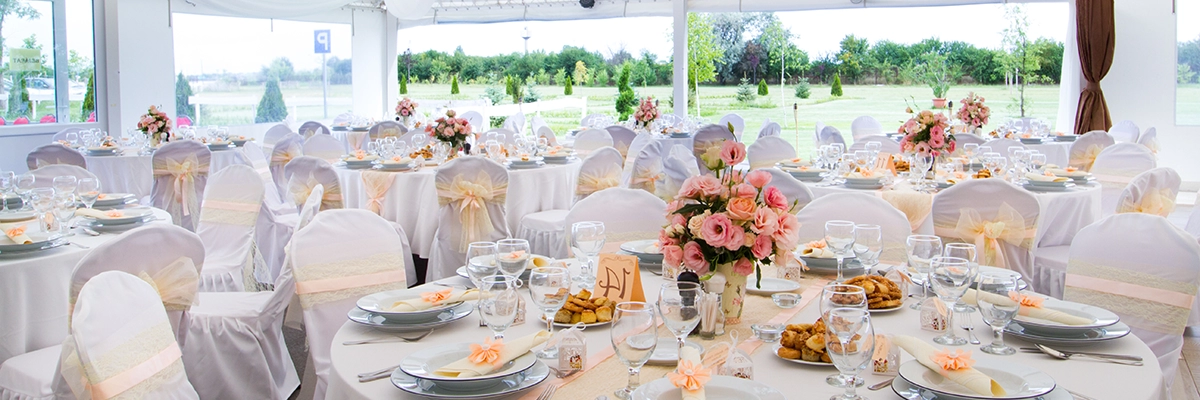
[483, 106]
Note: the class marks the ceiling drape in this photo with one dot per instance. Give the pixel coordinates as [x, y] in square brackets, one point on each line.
[1096, 38]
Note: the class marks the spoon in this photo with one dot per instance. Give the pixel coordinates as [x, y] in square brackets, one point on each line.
[881, 385]
[1064, 356]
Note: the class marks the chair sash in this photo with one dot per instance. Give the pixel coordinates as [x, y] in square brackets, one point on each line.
[280, 156]
[184, 180]
[229, 212]
[1083, 159]
[1160, 202]
[916, 206]
[590, 182]
[176, 284]
[471, 199]
[126, 369]
[1159, 304]
[376, 184]
[356, 140]
[320, 283]
[1008, 227]
[646, 177]
[301, 188]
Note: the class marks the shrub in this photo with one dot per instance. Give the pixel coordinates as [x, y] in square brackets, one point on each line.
[496, 122]
[454, 84]
[18, 98]
[183, 89]
[601, 78]
[271, 107]
[531, 95]
[404, 84]
[567, 90]
[837, 86]
[89, 98]
[762, 87]
[745, 92]
[518, 91]
[493, 94]
[626, 99]
[508, 85]
[802, 89]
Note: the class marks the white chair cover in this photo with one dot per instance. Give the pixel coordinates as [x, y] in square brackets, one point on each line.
[964, 138]
[791, 187]
[343, 119]
[304, 173]
[505, 136]
[861, 208]
[228, 215]
[769, 129]
[475, 119]
[53, 154]
[707, 136]
[180, 172]
[386, 129]
[274, 228]
[1125, 132]
[1152, 289]
[1151, 192]
[325, 147]
[544, 230]
[44, 176]
[678, 165]
[739, 124]
[647, 170]
[596, 121]
[62, 135]
[311, 207]
[820, 126]
[1085, 149]
[472, 193]
[1000, 219]
[591, 139]
[1193, 223]
[830, 135]
[1115, 168]
[515, 123]
[548, 133]
[622, 137]
[768, 150]
[1149, 139]
[274, 135]
[886, 144]
[865, 126]
[537, 123]
[635, 148]
[312, 128]
[627, 214]
[1002, 145]
[289, 147]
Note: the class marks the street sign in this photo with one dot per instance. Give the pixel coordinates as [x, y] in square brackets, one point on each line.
[321, 41]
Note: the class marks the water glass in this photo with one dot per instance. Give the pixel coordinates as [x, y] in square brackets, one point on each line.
[677, 304]
[548, 288]
[874, 148]
[588, 238]
[64, 210]
[950, 278]
[921, 249]
[499, 302]
[89, 191]
[850, 342]
[840, 295]
[868, 244]
[839, 235]
[634, 335]
[65, 184]
[964, 251]
[8, 182]
[43, 205]
[25, 188]
[998, 309]
[513, 256]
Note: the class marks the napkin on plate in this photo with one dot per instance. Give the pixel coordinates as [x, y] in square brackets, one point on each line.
[16, 233]
[1030, 309]
[1069, 171]
[864, 174]
[690, 375]
[97, 214]
[1034, 176]
[505, 352]
[430, 299]
[817, 249]
[966, 376]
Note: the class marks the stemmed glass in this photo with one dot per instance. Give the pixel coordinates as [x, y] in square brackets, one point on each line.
[65, 184]
[839, 235]
[950, 278]
[868, 244]
[548, 288]
[89, 191]
[1037, 161]
[588, 237]
[997, 310]
[481, 263]
[8, 180]
[970, 150]
[840, 295]
[874, 148]
[498, 304]
[964, 251]
[677, 304]
[65, 206]
[513, 256]
[43, 205]
[850, 342]
[73, 139]
[634, 334]
[25, 188]
[921, 249]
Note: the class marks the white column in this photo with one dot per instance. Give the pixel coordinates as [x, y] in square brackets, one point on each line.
[1072, 77]
[680, 81]
[373, 69]
[139, 70]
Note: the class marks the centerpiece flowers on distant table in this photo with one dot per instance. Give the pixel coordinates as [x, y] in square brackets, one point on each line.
[727, 224]
[927, 133]
[405, 109]
[453, 131]
[973, 112]
[156, 125]
[646, 113]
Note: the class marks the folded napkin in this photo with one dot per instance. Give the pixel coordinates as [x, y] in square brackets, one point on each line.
[690, 375]
[817, 249]
[16, 233]
[97, 214]
[490, 355]
[430, 299]
[1046, 177]
[1031, 308]
[398, 160]
[796, 162]
[865, 174]
[959, 371]
[360, 155]
[802, 168]
[1069, 171]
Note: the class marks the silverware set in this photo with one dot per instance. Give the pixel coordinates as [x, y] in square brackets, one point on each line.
[387, 339]
[1064, 355]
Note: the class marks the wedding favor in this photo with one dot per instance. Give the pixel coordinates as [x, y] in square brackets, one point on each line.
[737, 364]
[572, 348]
[886, 359]
[934, 315]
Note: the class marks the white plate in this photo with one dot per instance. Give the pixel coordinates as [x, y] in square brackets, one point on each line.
[113, 199]
[1100, 317]
[872, 186]
[393, 167]
[220, 146]
[1038, 188]
[775, 351]
[377, 321]
[864, 181]
[907, 391]
[719, 388]
[40, 240]
[1018, 380]
[771, 285]
[542, 319]
[886, 310]
[848, 263]
[500, 388]
[379, 302]
[526, 166]
[667, 351]
[643, 248]
[17, 216]
[1111, 332]
[129, 216]
[1052, 184]
[423, 363]
[531, 160]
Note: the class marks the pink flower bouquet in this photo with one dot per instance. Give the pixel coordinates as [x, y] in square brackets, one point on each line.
[156, 125]
[453, 131]
[973, 112]
[928, 134]
[646, 113]
[405, 108]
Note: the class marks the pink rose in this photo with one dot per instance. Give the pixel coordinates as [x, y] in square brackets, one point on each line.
[693, 258]
[733, 152]
[674, 205]
[677, 219]
[922, 148]
[951, 148]
[937, 141]
[715, 230]
[735, 238]
[666, 241]
[706, 185]
[672, 255]
[690, 190]
[775, 199]
[732, 177]
[765, 221]
[787, 233]
[741, 208]
[745, 191]
[762, 247]
[758, 178]
[743, 267]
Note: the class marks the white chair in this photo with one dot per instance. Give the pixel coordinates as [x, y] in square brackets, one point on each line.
[1149, 139]
[820, 126]
[1002, 145]
[1085, 149]
[325, 147]
[544, 230]
[62, 135]
[475, 119]
[304, 173]
[1125, 132]
[537, 123]
[386, 129]
[591, 139]
[738, 123]
[289, 147]
[515, 123]
[769, 129]
[274, 135]
[627, 214]
[635, 148]
[228, 215]
[1161, 275]
[622, 137]
[356, 140]
[830, 135]
[1115, 167]
[865, 126]
[1151, 192]
[180, 172]
[886, 144]
[708, 136]
[677, 166]
[53, 154]
[472, 193]
[548, 133]
[964, 212]
[1193, 223]
[44, 176]
[768, 150]
[791, 187]
[861, 208]
[646, 172]
[313, 128]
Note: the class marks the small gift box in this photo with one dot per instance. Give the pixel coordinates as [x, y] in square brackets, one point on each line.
[934, 315]
[902, 280]
[572, 348]
[737, 363]
[886, 358]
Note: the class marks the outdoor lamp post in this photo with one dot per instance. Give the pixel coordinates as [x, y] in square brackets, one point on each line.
[525, 35]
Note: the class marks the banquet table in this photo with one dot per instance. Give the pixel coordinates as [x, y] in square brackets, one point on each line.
[604, 375]
[132, 173]
[1058, 153]
[412, 201]
[34, 291]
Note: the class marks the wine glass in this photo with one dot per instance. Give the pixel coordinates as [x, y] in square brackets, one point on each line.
[65, 184]
[1037, 161]
[513, 256]
[89, 191]
[997, 308]
[73, 139]
[498, 302]
[25, 188]
[8, 181]
[548, 288]
[964, 251]
[418, 141]
[874, 148]
[634, 335]
[43, 205]
[970, 150]
[862, 159]
[950, 278]
[868, 244]
[839, 235]
[65, 206]
[841, 295]
[677, 304]
[920, 249]
[588, 237]
[481, 262]
[850, 342]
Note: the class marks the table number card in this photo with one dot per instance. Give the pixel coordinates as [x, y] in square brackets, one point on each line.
[619, 279]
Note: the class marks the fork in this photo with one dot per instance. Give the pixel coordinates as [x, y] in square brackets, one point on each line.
[967, 325]
[548, 393]
[387, 339]
[377, 375]
[1079, 396]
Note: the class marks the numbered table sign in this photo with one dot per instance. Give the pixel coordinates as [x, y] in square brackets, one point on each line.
[619, 279]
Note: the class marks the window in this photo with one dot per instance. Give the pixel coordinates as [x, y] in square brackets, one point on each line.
[47, 72]
[1187, 90]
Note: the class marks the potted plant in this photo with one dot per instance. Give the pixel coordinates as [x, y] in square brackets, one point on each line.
[934, 70]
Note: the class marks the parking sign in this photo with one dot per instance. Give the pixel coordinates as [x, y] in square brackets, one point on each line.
[321, 41]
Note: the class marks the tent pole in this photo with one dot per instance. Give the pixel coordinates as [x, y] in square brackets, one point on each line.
[679, 81]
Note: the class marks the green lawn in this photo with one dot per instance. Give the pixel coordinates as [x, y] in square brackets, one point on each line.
[1187, 105]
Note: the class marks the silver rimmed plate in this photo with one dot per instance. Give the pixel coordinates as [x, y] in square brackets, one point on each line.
[644, 249]
[864, 181]
[1047, 183]
[680, 135]
[771, 285]
[542, 320]
[394, 166]
[667, 351]
[885, 310]
[1100, 318]
[1050, 188]
[560, 160]
[1036, 140]
[908, 391]
[360, 164]
[1085, 337]
[239, 142]
[113, 199]
[423, 364]
[40, 241]
[102, 151]
[128, 216]
[831, 263]
[1018, 381]
[380, 304]
[377, 321]
[530, 161]
[775, 351]
[526, 166]
[17, 216]
[719, 388]
[1065, 138]
[502, 388]
[220, 146]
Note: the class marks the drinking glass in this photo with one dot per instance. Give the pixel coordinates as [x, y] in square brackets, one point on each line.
[921, 249]
[964, 251]
[65, 184]
[874, 148]
[863, 160]
[950, 278]
[481, 262]
[634, 335]
[89, 191]
[868, 244]
[418, 141]
[498, 303]
[548, 288]
[43, 205]
[1037, 161]
[373, 147]
[8, 181]
[73, 138]
[997, 310]
[841, 295]
[64, 210]
[513, 256]
[677, 304]
[850, 342]
[970, 150]
[588, 237]
[839, 235]
[25, 188]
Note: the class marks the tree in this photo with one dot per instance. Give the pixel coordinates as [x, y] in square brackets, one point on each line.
[508, 85]
[852, 57]
[183, 90]
[271, 108]
[581, 72]
[20, 8]
[18, 98]
[89, 98]
[601, 78]
[626, 99]
[836, 90]
[404, 84]
[745, 92]
[1020, 61]
[762, 87]
[1189, 54]
[454, 84]
[1184, 74]
[779, 39]
[280, 69]
[935, 71]
[567, 90]
[703, 55]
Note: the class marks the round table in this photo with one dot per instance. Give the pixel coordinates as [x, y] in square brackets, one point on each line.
[1057, 153]
[412, 202]
[1094, 379]
[34, 289]
[133, 173]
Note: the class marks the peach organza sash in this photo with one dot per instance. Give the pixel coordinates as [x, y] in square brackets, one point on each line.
[470, 199]
[1144, 300]
[176, 284]
[916, 206]
[183, 176]
[1008, 227]
[356, 140]
[594, 182]
[1084, 159]
[280, 156]
[1160, 203]
[377, 184]
[647, 177]
[325, 282]
[300, 189]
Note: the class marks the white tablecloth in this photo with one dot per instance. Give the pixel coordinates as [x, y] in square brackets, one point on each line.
[1094, 379]
[34, 292]
[132, 173]
[1058, 153]
[412, 199]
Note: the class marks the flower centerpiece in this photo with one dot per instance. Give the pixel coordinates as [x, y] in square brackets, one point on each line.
[453, 131]
[155, 125]
[646, 113]
[927, 133]
[728, 224]
[405, 109]
[973, 112]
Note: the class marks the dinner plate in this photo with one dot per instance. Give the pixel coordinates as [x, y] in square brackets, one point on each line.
[99, 226]
[680, 135]
[1036, 140]
[1052, 184]
[422, 364]
[1041, 188]
[885, 310]
[644, 249]
[239, 143]
[848, 263]
[526, 166]
[17, 216]
[775, 351]
[1065, 138]
[531, 160]
[908, 391]
[864, 182]
[40, 240]
[129, 216]
[102, 152]
[220, 146]
[542, 319]
[719, 388]
[667, 351]
[790, 164]
[378, 304]
[393, 167]
[113, 199]
[562, 160]
[501, 388]
[1100, 316]
[875, 186]
[771, 285]
[379, 322]
[1018, 381]
[1079, 338]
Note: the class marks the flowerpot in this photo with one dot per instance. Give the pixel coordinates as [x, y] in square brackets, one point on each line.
[734, 295]
[939, 103]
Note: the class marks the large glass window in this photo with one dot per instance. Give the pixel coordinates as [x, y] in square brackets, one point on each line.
[48, 62]
[1187, 93]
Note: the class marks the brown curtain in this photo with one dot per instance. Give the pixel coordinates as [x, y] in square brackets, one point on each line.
[1096, 38]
